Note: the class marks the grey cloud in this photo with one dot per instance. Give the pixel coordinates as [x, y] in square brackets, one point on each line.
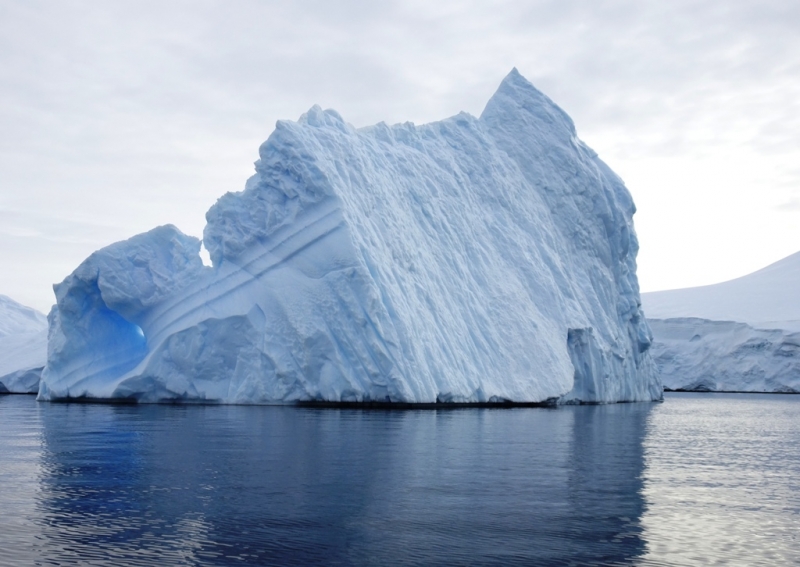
[145, 112]
[791, 206]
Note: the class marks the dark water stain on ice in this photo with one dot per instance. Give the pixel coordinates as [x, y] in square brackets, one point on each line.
[694, 480]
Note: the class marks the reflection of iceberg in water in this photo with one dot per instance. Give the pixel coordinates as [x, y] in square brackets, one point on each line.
[95, 495]
[19, 473]
[607, 473]
[218, 485]
[533, 487]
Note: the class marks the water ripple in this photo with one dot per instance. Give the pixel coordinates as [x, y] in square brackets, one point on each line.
[693, 481]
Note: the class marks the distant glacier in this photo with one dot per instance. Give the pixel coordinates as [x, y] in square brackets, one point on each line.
[470, 260]
[742, 335]
[23, 347]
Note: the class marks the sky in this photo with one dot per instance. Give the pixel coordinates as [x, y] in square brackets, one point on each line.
[120, 116]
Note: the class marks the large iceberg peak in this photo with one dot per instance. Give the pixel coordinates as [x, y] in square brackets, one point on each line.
[517, 101]
[466, 260]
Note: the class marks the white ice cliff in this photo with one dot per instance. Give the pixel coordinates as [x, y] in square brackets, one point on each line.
[23, 347]
[468, 260]
[742, 335]
[725, 356]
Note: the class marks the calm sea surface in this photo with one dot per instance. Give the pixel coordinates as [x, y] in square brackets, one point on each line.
[700, 479]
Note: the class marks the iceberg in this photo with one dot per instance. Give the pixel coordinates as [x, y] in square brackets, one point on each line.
[742, 335]
[472, 260]
[23, 347]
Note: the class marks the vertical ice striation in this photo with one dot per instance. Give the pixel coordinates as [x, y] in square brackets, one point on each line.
[467, 260]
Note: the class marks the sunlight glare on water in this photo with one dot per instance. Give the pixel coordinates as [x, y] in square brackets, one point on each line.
[723, 479]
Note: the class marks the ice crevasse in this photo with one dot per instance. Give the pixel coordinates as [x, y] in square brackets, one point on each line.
[481, 259]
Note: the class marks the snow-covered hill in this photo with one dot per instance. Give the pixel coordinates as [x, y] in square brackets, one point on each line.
[741, 335]
[768, 298]
[469, 260]
[23, 347]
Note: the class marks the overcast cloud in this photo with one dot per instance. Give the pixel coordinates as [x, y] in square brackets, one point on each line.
[119, 116]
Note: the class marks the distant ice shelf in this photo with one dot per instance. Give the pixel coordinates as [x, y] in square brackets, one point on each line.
[725, 356]
[23, 347]
[470, 260]
[742, 335]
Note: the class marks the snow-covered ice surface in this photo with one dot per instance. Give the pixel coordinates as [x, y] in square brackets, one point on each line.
[725, 356]
[741, 335]
[468, 260]
[768, 298]
[23, 347]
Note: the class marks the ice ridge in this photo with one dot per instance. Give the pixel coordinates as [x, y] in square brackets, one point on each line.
[467, 260]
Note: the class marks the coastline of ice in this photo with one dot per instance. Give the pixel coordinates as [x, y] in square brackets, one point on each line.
[468, 260]
[725, 356]
[742, 335]
[23, 347]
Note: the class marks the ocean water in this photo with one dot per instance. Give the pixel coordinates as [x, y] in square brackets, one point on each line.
[700, 479]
